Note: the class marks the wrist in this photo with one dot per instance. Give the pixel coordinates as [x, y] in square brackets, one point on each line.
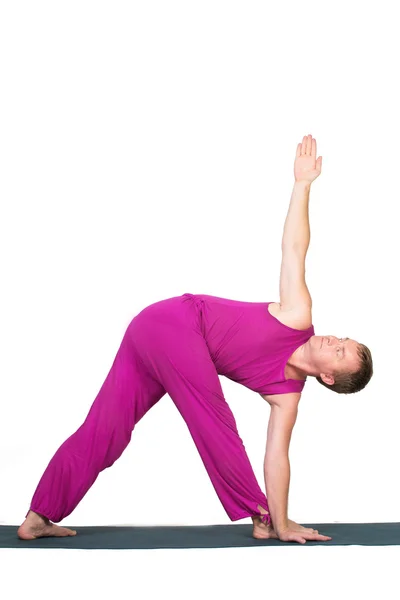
[302, 183]
[282, 529]
[281, 525]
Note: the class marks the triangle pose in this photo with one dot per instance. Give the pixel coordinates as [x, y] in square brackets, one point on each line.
[180, 346]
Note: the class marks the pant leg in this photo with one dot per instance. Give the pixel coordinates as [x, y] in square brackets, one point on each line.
[184, 367]
[125, 396]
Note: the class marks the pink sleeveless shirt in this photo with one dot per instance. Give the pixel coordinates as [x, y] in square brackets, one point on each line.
[249, 345]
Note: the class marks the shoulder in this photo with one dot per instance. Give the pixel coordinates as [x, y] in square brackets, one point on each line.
[288, 401]
[298, 318]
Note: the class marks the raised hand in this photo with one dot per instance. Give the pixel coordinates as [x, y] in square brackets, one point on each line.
[306, 166]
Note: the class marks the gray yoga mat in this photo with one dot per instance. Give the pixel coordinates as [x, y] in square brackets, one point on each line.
[209, 536]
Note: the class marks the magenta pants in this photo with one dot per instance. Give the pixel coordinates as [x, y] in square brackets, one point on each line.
[163, 351]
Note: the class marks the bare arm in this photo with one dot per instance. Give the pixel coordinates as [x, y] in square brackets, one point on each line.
[307, 168]
[294, 294]
[296, 231]
[276, 461]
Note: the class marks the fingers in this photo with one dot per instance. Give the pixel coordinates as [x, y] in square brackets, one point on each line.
[314, 537]
[314, 148]
[317, 537]
[308, 146]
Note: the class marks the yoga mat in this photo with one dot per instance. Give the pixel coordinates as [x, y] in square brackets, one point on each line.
[209, 536]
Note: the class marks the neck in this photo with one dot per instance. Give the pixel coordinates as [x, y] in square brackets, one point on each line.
[299, 363]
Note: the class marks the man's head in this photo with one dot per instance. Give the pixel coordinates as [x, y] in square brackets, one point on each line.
[340, 364]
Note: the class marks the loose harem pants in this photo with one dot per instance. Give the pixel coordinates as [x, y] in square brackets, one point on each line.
[163, 351]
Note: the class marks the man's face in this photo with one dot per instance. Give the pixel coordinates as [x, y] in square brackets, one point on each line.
[333, 353]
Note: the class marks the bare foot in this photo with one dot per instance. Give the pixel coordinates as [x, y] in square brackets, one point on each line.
[263, 531]
[36, 526]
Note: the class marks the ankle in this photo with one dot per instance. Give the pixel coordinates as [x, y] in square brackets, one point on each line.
[36, 517]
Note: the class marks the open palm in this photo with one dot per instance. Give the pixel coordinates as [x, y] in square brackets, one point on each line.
[306, 166]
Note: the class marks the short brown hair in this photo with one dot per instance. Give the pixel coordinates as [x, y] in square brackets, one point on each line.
[350, 383]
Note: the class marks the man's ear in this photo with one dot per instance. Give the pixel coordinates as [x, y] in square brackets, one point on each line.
[329, 379]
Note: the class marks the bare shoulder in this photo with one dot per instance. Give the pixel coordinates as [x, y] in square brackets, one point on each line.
[298, 318]
[286, 401]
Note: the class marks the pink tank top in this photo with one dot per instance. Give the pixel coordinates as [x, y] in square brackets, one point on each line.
[249, 345]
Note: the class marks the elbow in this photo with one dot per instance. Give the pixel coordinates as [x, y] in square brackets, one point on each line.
[276, 458]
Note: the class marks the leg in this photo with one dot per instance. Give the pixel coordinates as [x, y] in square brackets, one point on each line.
[126, 395]
[186, 371]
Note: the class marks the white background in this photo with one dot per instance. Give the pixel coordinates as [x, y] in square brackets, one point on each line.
[147, 150]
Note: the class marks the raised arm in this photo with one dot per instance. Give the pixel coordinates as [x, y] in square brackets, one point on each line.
[296, 231]
[294, 294]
